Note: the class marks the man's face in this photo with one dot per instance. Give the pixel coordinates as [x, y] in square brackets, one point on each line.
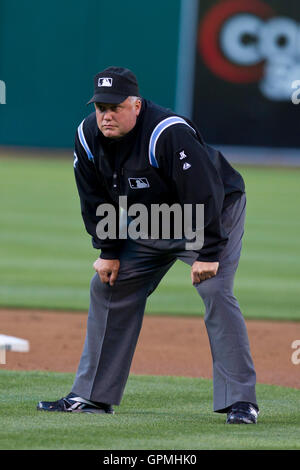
[116, 120]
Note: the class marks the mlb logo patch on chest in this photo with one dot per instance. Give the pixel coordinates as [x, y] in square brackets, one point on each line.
[138, 183]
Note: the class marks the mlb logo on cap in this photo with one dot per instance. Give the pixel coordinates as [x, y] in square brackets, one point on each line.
[114, 85]
[105, 81]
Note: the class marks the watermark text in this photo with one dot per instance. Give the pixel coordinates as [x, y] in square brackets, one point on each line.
[2, 92]
[296, 94]
[295, 358]
[160, 221]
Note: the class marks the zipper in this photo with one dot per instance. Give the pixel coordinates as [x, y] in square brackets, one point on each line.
[115, 181]
[122, 181]
[117, 186]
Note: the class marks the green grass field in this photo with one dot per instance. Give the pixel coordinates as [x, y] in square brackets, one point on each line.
[46, 256]
[146, 419]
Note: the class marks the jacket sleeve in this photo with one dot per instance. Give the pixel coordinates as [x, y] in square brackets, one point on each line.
[182, 158]
[92, 193]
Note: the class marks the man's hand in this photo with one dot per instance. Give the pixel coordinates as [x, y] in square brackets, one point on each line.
[107, 269]
[202, 271]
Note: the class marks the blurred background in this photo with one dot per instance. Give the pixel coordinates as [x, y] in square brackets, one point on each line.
[230, 65]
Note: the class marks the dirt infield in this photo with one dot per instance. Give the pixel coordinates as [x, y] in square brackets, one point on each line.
[167, 345]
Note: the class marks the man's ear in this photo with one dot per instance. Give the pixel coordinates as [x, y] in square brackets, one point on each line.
[138, 106]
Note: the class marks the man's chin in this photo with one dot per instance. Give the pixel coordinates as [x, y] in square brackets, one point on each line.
[111, 133]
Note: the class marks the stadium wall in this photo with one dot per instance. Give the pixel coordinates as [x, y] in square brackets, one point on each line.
[233, 67]
[50, 51]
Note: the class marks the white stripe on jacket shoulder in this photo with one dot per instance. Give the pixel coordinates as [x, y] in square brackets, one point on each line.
[158, 130]
[84, 142]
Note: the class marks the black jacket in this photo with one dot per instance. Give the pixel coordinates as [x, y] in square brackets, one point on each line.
[163, 159]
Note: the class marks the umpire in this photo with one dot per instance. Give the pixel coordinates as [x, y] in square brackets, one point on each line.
[130, 146]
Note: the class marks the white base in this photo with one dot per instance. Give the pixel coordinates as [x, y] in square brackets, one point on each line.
[11, 343]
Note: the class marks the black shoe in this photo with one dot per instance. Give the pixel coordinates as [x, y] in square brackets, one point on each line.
[74, 403]
[242, 412]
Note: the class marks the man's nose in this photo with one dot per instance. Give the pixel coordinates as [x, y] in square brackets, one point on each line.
[107, 115]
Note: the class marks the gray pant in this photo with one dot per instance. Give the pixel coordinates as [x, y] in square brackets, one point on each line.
[116, 315]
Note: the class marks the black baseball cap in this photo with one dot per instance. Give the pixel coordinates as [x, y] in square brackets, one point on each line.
[114, 85]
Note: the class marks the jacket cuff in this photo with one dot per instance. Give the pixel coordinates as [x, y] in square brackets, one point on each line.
[211, 258]
[109, 254]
